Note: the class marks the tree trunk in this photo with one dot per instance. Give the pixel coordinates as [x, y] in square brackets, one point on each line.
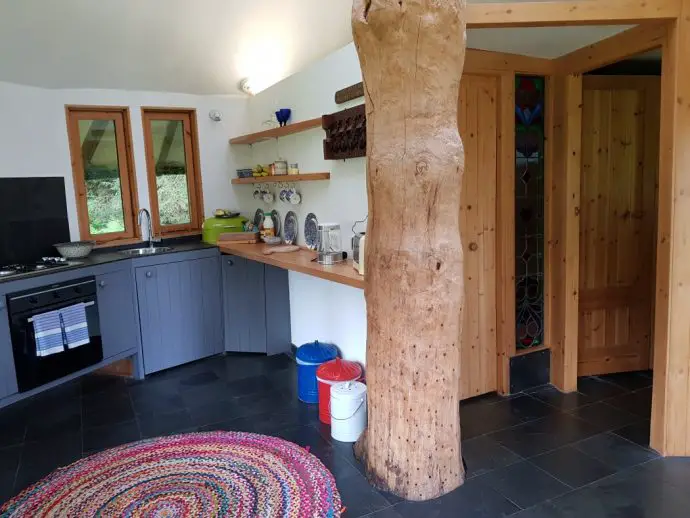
[412, 54]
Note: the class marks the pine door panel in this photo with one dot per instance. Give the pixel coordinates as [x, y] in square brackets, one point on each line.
[620, 132]
[477, 120]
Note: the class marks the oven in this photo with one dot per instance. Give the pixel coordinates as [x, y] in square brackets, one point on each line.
[35, 366]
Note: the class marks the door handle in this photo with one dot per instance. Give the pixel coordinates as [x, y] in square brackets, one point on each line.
[101, 284]
[231, 262]
[149, 274]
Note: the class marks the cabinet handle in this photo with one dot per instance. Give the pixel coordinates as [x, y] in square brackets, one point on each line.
[149, 274]
[102, 284]
[231, 262]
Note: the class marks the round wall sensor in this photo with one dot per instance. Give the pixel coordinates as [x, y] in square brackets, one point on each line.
[215, 115]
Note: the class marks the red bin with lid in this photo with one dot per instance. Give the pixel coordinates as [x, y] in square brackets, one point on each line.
[330, 373]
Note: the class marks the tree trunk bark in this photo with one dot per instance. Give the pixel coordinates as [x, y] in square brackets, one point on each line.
[412, 54]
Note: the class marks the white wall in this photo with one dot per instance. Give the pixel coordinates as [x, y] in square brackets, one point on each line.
[33, 136]
[320, 309]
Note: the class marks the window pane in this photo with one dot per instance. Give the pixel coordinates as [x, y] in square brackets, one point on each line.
[102, 174]
[171, 172]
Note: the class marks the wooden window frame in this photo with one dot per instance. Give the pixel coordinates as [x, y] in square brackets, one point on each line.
[128, 183]
[194, 181]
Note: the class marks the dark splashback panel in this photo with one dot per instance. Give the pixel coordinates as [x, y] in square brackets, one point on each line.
[33, 217]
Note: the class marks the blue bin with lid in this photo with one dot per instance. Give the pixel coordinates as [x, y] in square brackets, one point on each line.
[309, 357]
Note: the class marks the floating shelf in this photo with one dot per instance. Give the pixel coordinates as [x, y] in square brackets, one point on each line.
[290, 178]
[290, 129]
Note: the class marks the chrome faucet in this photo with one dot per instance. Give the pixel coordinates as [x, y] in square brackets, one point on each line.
[150, 227]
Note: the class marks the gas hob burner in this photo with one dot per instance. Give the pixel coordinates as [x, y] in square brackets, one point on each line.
[45, 263]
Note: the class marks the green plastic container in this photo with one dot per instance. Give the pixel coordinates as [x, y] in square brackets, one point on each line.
[214, 227]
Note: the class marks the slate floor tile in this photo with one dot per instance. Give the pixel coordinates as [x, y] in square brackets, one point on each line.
[629, 380]
[483, 454]
[249, 386]
[615, 451]
[638, 402]
[524, 484]
[213, 412]
[7, 485]
[9, 458]
[165, 424]
[598, 389]
[97, 383]
[473, 499]
[357, 495]
[199, 378]
[543, 435]
[636, 432]
[12, 432]
[605, 417]
[565, 402]
[572, 467]
[641, 492]
[103, 437]
[46, 424]
[41, 457]
[114, 409]
[157, 403]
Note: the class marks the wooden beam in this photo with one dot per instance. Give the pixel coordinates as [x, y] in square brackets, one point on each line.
[562, 183]
[578, 12]
[505, 234]
[485, 61]
[670, 423]
[616, 48]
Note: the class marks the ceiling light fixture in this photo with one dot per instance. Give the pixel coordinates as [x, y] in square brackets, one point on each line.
[246, 86]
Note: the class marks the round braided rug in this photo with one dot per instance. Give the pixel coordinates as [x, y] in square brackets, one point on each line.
[200, 474]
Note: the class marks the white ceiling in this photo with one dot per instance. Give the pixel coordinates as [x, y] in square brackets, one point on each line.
[203, 46]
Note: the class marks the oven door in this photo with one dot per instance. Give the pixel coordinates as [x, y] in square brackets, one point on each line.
[34, 370]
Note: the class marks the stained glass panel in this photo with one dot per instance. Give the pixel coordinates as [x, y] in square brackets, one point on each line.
[529, 210]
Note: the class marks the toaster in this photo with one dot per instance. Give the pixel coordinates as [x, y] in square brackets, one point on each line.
[358, 252]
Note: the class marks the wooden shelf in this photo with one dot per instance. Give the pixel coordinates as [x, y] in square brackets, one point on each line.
[286, 178]
[290, 129]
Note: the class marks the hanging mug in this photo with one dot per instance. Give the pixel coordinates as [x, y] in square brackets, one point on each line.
[268, 197]
[295, 198]
[257, 192]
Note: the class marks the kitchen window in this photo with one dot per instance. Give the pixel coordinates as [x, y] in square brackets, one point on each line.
[174, 176]
[103, 169]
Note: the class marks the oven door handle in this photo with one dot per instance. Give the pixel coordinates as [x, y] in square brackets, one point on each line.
[86, 305]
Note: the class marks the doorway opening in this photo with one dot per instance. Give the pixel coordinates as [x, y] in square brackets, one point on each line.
[618, 227]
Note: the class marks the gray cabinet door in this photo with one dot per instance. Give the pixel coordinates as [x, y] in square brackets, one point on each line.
[245, 305]
[8, 377]
[180, 312]
[117, 312]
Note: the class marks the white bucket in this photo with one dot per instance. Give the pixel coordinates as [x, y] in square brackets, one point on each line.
[348, 410]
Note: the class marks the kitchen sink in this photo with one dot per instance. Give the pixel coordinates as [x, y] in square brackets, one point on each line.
[146, 251]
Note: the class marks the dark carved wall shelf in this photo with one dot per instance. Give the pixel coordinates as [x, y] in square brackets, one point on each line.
[346, 134]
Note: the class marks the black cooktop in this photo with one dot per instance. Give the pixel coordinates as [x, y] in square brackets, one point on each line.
[44, 263]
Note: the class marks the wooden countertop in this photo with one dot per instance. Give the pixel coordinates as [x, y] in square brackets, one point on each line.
[300, 261]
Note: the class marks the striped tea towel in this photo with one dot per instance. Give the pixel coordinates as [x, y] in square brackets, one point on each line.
[48, 333]
[75, 326]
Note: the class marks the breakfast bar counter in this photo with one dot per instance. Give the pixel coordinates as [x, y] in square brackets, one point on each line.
[302, 261]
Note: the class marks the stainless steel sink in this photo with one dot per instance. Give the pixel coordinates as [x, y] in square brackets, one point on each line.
[146, 251]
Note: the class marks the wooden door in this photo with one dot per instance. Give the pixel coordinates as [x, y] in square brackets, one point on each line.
[477, 120]
[620, 154]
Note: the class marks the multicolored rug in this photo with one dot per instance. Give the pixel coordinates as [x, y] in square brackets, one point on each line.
[201, 474]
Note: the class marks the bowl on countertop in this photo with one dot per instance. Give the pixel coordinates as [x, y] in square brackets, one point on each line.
[75, 249]
[272, 240]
